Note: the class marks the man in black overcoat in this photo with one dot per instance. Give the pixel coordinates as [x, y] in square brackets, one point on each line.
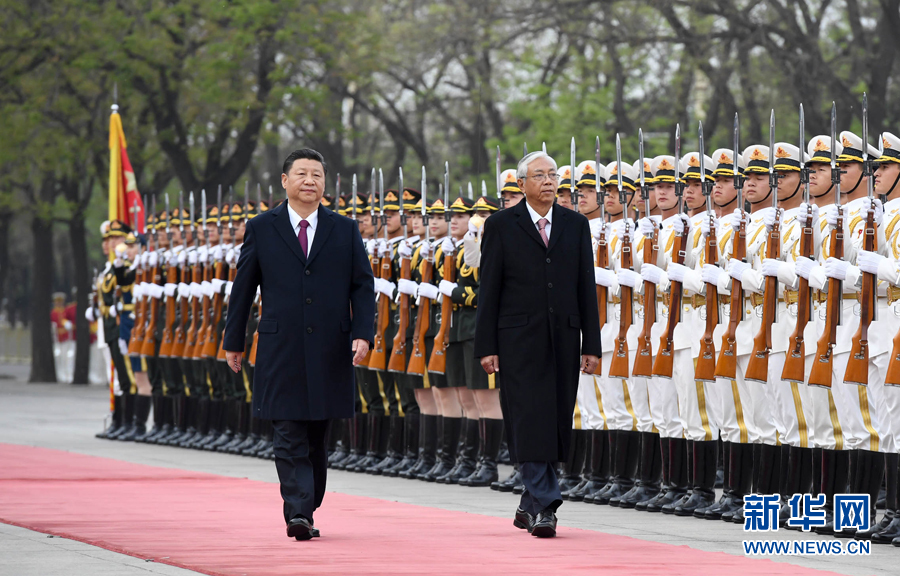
[317, 322]
[537, 324]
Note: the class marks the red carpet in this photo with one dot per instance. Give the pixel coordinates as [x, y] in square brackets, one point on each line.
[229, 526]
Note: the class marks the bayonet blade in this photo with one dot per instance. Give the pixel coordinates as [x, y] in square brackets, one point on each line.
[641, 161]
[219, 207]
[773, 177]
[353, 192]
[471, 195]
[447, 191]
[738, 185]
[804, 170]
[484, 188]
[168, 216]
[573, 191]
[597, 189]
[544, 147]
[424, 196]
[181, 214]
[524, 149]
[619, 173]
[498, 171]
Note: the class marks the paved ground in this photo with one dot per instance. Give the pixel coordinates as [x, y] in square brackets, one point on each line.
[66, 418]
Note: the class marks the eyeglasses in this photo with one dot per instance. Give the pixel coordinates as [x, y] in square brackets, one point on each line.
[540, 177]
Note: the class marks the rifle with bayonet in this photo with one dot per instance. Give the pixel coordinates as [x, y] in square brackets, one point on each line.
[438, 361]
[142, 275]
[705, 369]
[498, 170]
[823, 365]
[726, 364]
[665, 356]
[758, 366]
[196, 279]
[618, 368]
[220, 273]
[378, 360]
[168, 340]
[643, 359]
[423, 316]
[181, 328]
[397, 362]
[602, 257]
[794, 361]
[232, 266]
[857, 371]
[573, 191]
[209, 271]
[148, 347]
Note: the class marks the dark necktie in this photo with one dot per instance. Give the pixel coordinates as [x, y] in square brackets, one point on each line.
[304, 241]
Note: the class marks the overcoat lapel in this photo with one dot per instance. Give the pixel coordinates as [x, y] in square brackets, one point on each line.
[282, 223]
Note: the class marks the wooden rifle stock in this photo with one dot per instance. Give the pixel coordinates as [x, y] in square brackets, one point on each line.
[823, 365]
[137, 332]
[705, 369]
[210, 347]
[892, 378]
[726, 364]
[378, 359]
[438, 361]
[168, 336]
[643, 359]
[206, 310]
[758, 366]
[602, 291]
[794, 361]
[665, 357]
[397, 362]
[192, 330]
[252, 358]
[857, 371]
[148, 347]
[423, 323]
[618, 367]
[220, 355]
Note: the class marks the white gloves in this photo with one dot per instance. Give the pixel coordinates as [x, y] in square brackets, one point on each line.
[447, 246]
[184, 291]
[768, 216]
[446, 288]
[604, 277]
[385, 287]
[704, 227]
[89, 314]
[737, 217]
[228, 287]
[173, 259]
[384, 251]
[123, 347]
[831, 215]
[196, 290]
[620, 231]
[203, 255]
[869, 261]
[736, 269]
[206, 288]
[473, 229]
[770, 266]
[407, 287]
[425, 252]
[404, 249]
[628, 278]
[651, 273]
[370, 246]
[681, 225]
[231, 257]
[217, 284]
[804, 266]
[153, 259]
[120, 250]
[156, 291]
[711, 274]
[676, 272]
[429, 291]
[145, 258]
[804, 213]
[112, 311]
[837, 269]
[170, 289]
[602, 230]
[217, 252]
[138, 290]
[192, 258]
[647, 227]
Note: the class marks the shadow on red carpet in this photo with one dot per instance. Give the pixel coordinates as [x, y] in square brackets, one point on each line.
[231, 526]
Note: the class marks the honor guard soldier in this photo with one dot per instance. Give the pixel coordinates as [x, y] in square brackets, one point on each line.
[564, 192]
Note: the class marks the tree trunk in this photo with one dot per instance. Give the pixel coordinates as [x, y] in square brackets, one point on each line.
[43, 367]
[5, 221]
[77, 236]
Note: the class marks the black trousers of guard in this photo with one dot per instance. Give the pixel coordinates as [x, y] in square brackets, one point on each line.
[301, 459]
[541, 487]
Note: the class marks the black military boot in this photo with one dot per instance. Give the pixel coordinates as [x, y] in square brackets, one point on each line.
[115, 421]
[726, 483]
[159, 420]
[665, 464]
[174, 410]
[142, 405]
[243, 428]
[507, 484]
[487, 474]
[213, 428]
[450, 430]
[870, 473]
[127, 417]
[427, 447]
[478, 455]
[339, 441]
[410, 446]
[720, 465]
[741, 480]
[597, 452]
[889, 527]
[647, 486]
[465, 458]
[835, 471]
[231, 410]
[625, 463]
[575, 464]
[678, 481]
[378, 438]
[394, 447]
[186, 416]
[796, 478]
[607, 466]
[703, 494]
[252, 433]
[358, 442]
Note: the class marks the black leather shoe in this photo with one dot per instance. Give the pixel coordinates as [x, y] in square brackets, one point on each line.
[523, 520]
[544, 525]
[508, 484]
[300, 528]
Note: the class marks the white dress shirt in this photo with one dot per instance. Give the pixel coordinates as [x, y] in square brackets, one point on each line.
[313, 220]
[535, 217]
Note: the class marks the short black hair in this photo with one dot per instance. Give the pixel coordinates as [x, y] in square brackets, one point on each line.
[303, 154]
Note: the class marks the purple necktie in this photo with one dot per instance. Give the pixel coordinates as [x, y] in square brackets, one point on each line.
[542, 225]
[304, 241]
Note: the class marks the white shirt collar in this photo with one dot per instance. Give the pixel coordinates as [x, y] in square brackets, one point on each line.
[313, 219]
[535, 216]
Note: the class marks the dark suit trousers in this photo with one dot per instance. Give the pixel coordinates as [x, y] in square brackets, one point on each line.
[301, 459]
[541, 487]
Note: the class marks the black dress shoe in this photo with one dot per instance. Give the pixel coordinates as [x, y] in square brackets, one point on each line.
[544, 525]
[523, 520]
[300, 528]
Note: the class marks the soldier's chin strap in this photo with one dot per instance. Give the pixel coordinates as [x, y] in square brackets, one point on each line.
[830, 188]
[794, 193]
[893, 186]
